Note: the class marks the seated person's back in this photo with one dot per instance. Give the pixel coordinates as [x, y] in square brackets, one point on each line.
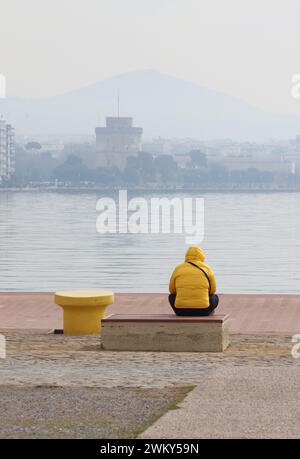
[192, 285]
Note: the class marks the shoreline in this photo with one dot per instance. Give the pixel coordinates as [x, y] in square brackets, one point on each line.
[206, 190]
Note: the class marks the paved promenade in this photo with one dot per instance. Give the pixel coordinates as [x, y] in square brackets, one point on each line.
[257, 314]
[236, 402]
[248, 391]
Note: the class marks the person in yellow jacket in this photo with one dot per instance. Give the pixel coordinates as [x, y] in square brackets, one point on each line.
[193, 286]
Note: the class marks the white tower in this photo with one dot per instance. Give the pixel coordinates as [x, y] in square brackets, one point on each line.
[116, 141]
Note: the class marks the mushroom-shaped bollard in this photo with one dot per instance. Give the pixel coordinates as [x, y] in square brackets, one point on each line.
[83, 310]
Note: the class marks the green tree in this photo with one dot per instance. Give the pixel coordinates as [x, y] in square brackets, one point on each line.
[218, 174]
[166, 168]
[146, 166]
[33, 167]
[237, 177]
[73, 170]
[198, 158]
[253, 176]
[33, 146]
[103, 176]
[193, 176]
[131, 172]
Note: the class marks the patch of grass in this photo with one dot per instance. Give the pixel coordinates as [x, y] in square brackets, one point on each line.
[47, 386]
[186, 391]
[170, 406]
[50, 411]
[26, 422]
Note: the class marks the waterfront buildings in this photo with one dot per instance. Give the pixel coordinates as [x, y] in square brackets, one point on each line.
[265, 163]
[7, 150]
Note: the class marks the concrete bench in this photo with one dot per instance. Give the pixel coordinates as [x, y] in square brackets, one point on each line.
[165, 332]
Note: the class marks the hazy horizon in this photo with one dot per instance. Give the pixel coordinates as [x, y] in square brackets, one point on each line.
[133, 71]
[246, 50]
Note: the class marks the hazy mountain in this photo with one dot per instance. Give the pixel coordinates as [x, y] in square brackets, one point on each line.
[161, 104]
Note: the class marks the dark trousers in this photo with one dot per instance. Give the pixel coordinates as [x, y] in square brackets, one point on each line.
[213, 300]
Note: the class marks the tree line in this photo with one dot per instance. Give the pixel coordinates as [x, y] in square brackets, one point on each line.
[71, 168]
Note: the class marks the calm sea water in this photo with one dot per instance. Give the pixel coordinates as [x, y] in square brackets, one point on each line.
[48, 241]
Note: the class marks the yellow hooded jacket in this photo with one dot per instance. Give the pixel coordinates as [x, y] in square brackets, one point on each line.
[190, 284]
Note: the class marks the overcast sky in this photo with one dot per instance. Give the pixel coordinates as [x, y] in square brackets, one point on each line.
[246, 48]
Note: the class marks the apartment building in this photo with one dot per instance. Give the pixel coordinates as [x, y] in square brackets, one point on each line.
[7, 150]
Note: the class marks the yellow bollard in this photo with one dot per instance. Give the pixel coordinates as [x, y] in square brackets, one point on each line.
[83, 310]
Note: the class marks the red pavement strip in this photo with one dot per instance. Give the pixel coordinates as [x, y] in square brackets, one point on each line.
[258, 314]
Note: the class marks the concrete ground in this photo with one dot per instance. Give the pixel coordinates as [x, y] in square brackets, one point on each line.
[47, 381]
[82, 412]
[250, 391]
[237, 402]
[72, 361]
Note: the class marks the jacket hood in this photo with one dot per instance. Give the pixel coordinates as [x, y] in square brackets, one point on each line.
[194, 253]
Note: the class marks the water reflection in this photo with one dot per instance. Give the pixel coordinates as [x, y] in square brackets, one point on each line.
[48, 241]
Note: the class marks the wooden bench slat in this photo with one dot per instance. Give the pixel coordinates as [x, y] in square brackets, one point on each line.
[215, 318]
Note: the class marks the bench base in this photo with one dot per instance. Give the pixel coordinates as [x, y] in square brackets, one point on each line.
[165, 332]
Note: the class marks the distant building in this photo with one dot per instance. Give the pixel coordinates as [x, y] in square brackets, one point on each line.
[7, 150]
[183, 160]
[156, 147]
[116, 141]
[264, 163]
